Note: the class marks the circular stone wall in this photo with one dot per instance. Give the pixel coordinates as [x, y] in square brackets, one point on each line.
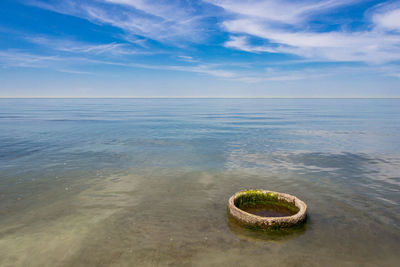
[262, 196]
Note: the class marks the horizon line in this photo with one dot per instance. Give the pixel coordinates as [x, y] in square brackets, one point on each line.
[202, 97]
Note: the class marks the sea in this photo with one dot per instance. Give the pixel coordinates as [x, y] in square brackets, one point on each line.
[146, 182]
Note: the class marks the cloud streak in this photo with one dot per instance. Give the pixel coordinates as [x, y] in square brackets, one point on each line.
[11, 59]
[167, 22]
[71, 46]
[292, 34]
[171, 36]
[285, 27]
[281, 11]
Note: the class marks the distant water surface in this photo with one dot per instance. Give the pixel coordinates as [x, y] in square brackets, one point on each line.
[145, 182]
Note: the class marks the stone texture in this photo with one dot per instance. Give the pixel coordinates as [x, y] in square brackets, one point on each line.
[268, 222]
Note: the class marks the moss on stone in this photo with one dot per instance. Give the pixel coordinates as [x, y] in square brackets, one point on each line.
[258, 197]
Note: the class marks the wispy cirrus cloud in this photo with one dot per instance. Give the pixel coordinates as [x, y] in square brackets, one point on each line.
[283, 25]
[79, 66]
[260, 27]
[187, 58]
[167, 21]
[76, 72]
[73, 64]
[282, 11]
[243, 43]
[370, 46]
[285, 28]
[71, 46]
[11, 58]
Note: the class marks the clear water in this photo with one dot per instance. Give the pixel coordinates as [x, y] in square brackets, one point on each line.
[145, 182]
[268, 210]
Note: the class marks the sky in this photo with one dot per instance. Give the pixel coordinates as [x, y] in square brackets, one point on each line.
[204, 48]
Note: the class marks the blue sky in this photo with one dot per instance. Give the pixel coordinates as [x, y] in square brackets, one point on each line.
[208, 48]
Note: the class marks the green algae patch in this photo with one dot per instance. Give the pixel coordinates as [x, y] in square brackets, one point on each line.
[259, 203]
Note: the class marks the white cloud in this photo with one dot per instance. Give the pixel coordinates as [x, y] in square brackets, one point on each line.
[71, 46]
[274, 74]
[282, 27]
[170, 22]
[65, 64]
[242, 43]
[371, 46]
[204, 68]
[283, 11]
[388, 20]
[169, 12]
[75, 71]
[78, 65]
[210, 69]
[20, 59]
[187, 59]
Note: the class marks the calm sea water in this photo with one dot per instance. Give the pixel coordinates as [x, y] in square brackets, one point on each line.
[145, 182]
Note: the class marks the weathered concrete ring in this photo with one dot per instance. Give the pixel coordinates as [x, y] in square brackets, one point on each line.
[261, 196]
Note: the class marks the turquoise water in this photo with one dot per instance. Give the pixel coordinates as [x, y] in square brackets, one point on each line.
[145, 182]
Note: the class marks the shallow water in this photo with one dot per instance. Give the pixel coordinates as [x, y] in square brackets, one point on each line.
[268, 210]
[145, 182]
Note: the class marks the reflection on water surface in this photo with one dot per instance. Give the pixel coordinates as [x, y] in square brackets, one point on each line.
[145, 182]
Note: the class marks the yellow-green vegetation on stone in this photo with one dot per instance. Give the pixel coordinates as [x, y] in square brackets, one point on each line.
[258, 197]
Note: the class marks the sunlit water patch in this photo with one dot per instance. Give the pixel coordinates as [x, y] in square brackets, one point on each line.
[145, 182]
